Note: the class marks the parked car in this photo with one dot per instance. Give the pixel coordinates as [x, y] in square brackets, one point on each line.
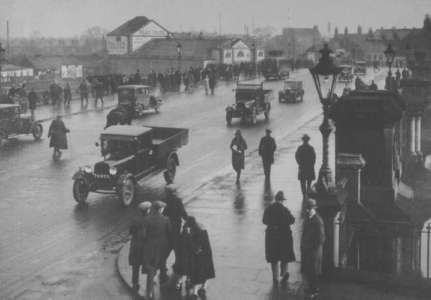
[250, 100]
[292, 90]
[14, 124]
[346, 74]
[137, 98]
[360, 67]
[129, 154]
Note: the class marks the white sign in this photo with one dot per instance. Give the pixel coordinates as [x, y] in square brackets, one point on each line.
[151, 29]
[116, 44]
[138, 41]
[71, 71]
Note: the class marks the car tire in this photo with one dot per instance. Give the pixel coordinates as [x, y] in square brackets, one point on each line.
[127, 192]
[254, 117]
[80, 191]
[3, 138]
[268, 110]
[171, 170]
[37, 131]
[229, 118]
[280, 98]
[140, 109]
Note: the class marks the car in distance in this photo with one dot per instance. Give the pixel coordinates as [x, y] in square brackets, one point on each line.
[292, 91]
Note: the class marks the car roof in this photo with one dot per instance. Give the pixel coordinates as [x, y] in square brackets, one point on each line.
[123, 130]
[292, 81]
[133, 86]
[3, 106]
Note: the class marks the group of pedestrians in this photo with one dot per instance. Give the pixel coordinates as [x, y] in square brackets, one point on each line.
[156, 232]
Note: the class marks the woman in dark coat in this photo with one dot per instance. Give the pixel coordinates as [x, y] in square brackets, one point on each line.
[57, 132]
[238, 146]
[137, 243]
[278, 238]
[157, 235]
[183, 258]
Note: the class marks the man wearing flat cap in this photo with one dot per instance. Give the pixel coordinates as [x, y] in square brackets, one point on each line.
[137, 243]
[306, 158]
[313, 236]
[278, 238]
[267, 148]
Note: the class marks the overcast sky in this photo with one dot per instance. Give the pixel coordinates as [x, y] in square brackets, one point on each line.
[65, 18]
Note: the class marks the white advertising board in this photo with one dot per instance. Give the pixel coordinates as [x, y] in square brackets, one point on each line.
[71, 71]
[151, 29]
[116, 44]
[138, 41]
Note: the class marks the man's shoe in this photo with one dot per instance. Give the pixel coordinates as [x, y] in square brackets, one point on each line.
[285, 277]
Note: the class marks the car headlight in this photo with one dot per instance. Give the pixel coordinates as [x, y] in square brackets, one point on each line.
[113, 171]
[87, 169]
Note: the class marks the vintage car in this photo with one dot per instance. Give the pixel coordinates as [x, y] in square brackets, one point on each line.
[14, 124]
[250, 100]
[275, 67]
[129, 154]
[292, 90]
[360, 67]
[346, 74]
[137, 98]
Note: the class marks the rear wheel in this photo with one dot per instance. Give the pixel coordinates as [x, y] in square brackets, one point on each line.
[254, 117]
[229, 118]
[37, 131]
[171, 170]
[127, 192]
[80, 191]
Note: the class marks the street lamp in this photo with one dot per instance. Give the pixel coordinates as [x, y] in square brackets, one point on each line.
[179, 56]
[253, 47]
[324, 73]
[2, 52]
[407, 49]
[390, 55]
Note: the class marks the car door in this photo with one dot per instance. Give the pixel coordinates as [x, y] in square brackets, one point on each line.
[14, 121]
[144, 159]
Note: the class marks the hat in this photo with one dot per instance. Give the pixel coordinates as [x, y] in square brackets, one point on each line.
[191, 222]
[305, 137]
[311, 203]
[59, 116]
[268, 130]
[158, 204]
[238, 132]
[171, 188]
[279, 196]
[145, 206]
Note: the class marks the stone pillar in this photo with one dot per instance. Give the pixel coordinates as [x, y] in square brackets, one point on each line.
[418, 125]
[411, 132]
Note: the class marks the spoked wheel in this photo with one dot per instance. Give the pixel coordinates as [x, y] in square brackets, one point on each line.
[80, 191]
[254, 117]
[37, 131]
[127, 192]
[266, 113]
[171, 171]
[229, 118]
[3, 138]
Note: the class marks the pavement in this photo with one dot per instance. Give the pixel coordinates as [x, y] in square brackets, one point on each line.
[233, 214]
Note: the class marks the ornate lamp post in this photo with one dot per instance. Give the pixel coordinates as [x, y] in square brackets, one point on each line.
[407, 49]
[253, 48]
[390, 55]
[179, 56]
[324, 70]
[2, 52]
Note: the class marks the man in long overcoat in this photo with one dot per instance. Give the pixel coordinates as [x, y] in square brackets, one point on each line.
[33, 99]
[313, 237]
[176, 212]
[137, 243]
[267, 148]
[57, 132]
[278, 237]
[306, 158]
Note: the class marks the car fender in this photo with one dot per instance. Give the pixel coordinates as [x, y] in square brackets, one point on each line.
[124, 177]
[173, 155]
[80, 174]
[230, 108]
[33, 125]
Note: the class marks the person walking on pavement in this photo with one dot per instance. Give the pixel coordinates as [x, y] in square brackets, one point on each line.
[238, 146]
[201, 260]
[33, 99]
[57, 132]
[206, 84]
[278, 238]
[137, 244]
[405, 73]
[267, 148]
[306, 158]
[373, 86]
[375, 65]
[176, 212]
[99, 92]
[398, 75]
[83, 91]
[313, 237]
[157, 235]
[212, 83]
[67, 94]
[358, 82]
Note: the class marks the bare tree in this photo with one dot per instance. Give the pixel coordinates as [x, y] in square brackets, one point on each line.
[265, 33]
[95, 33]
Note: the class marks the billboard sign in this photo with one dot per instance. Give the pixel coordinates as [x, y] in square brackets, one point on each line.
[71, 71]
[116, 44]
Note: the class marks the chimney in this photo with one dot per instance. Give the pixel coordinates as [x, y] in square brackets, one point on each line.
[359, 29]
[315, 27]
[346, 31]
[336, 32]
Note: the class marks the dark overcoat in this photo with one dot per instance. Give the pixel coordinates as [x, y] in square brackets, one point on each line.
[183, 254]
[137, 242]
[157, 235]
[57, 132]
[267, 148]
[278, 237]
[306, 158]
[238, 158]
[175, 210]
[201, 264]
[32, 100]
[313, 236]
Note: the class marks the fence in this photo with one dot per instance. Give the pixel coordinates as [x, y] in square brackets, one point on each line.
[396, 248]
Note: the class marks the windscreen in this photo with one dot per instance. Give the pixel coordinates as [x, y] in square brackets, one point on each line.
[117, 150]
[127, 92]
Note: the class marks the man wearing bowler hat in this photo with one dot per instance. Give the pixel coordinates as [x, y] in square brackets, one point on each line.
[278, 238]
[306, 158]
[267, 148]
[313, 236]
